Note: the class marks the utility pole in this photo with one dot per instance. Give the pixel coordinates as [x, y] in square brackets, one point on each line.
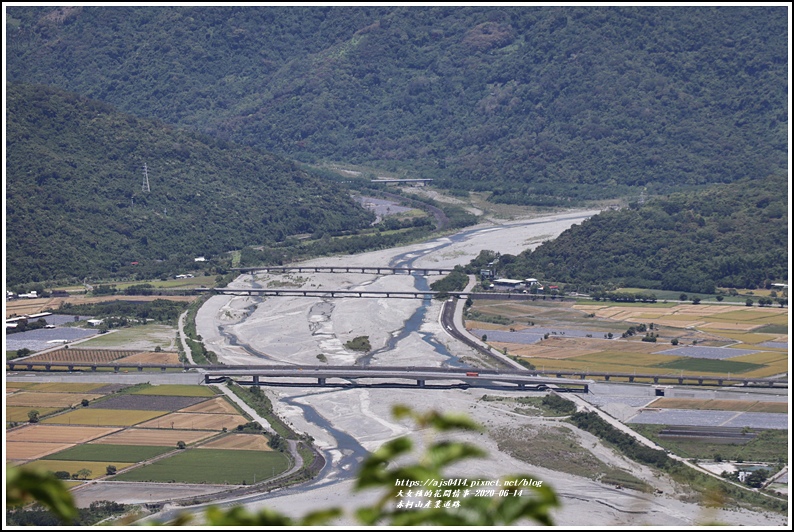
[145, 187]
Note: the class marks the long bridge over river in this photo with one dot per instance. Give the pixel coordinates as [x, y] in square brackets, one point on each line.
[395, 376]
[333, 376]
[393, 294]
[346, 269]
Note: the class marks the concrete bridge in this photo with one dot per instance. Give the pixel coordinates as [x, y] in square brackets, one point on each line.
[394, 294]
[333, 376]
[346, 269]
[513, 379]
[391, 377]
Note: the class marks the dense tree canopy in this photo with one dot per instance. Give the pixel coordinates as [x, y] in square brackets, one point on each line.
[539, 105]
[75, 205]
[732, 236]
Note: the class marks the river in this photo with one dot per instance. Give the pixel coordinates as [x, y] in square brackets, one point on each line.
[345, 424]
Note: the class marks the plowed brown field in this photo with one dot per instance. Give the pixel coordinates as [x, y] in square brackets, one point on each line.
[151, 357]
[219, 405]
[155, 437]
[196, 421]
[51, 434]
[48, 399]
[240, 442]
[22, 451]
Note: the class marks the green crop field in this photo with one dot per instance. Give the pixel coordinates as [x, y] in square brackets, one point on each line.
[184, 390]
[773, 329]
[767, 446]
[162, 335]
[212, 466]
[97, 452]
[708, 365]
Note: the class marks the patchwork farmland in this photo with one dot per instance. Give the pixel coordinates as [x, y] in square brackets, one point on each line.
[103, 356]
[84, 428]
[689, 340]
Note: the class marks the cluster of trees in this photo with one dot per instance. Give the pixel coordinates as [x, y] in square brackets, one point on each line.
[733, 235]
[159, 310]
[75, 200]
[538, 105]
[96, 512]
[24, 325]
[593, 423]
[455, 281]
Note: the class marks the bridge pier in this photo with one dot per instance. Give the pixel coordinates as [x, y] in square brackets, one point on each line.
[93, 368]
[71, 368]
[582, 376]
[47, 366]
[656, 380]
[162, 368]
[30, 367]
[631, 378]
[321, 381]
[420, 383]
[256, 380]
[680, 380]
[700, 381]
[719, 382]
[115, 369]
[606, 377]
[140, 368]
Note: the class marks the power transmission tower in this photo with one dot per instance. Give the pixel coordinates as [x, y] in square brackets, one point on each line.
[145, 186]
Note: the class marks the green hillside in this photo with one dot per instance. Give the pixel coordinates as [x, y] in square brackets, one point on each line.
[729, 236]
[75, 206]
[540, 105]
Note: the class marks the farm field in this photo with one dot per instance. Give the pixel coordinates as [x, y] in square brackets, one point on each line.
[240, 442]
[720, 404]
[22, 451]
[163, 437]
[152, 357]
[185, 390]
[185, 421]
[57, 434]
[98, 452]
[219, 405]
[143, 337]
[764, 446]
[71, 387]
[19, 414]
[97, 469]
[102, 417]
[165, 403]
[48, 399]
[80, 354]
[740, 332]
[212, 466]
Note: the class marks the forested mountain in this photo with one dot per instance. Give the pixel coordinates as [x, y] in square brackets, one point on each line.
[541, 105]
[727, 236]
[75, 204]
